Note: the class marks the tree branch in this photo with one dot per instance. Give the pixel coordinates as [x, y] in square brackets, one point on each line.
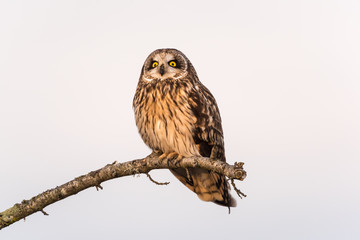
[111, 171]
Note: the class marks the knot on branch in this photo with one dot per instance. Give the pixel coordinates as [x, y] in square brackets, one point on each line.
[239, 171]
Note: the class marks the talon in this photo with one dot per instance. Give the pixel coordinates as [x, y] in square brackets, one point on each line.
[175, 159]
[171, 158]
[163, 156]
[178, 159]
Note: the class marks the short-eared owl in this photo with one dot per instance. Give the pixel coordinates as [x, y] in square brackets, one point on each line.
[178, 116]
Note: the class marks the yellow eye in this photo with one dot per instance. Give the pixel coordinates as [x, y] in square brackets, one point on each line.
[154, 64]
[172, 63]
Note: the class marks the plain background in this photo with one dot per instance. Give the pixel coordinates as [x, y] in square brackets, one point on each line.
[286, 78]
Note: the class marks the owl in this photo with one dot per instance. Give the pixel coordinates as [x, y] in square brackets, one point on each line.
[177, 116]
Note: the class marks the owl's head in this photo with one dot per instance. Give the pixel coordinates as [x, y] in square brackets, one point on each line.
[165, 64]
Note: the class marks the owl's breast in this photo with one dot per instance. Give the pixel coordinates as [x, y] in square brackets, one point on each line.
[166, 122]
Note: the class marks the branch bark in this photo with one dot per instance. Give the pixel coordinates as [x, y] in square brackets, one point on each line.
[111, 171]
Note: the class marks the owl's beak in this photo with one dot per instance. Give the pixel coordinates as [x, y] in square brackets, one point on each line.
[162, 69]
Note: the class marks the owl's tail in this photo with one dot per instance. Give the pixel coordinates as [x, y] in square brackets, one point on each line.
[208, 186]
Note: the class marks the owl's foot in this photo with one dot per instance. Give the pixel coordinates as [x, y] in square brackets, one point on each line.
[167, 155]
[172, 157]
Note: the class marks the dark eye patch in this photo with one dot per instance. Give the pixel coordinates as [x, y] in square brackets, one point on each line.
[173, 63]
[153, 64]
[178, 64]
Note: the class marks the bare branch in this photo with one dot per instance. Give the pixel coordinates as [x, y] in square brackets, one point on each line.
[111, 171]
[239, 193]
[158, 183]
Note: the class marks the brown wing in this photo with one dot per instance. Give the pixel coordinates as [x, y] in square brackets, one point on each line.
[208, 133]
[208, 136]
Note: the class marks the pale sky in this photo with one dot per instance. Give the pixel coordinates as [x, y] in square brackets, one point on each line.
[286, 76]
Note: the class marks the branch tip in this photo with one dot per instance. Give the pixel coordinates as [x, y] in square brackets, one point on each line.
[151, 179]
[99, 187]
[239, 193]
[42, 210]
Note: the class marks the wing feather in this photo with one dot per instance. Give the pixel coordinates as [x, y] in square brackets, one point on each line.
[208, 136]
